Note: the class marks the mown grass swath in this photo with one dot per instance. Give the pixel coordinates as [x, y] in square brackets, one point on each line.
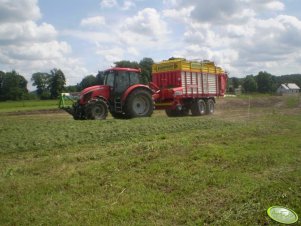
[221, 170]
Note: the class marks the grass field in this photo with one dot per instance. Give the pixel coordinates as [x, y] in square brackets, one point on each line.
[27, 105]
[225, 169]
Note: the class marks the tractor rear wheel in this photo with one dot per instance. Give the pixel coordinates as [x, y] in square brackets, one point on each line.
[139, 104]
[97, 109]
[198, 108]
[209, 107]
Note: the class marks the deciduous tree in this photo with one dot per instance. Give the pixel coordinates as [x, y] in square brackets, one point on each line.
[13, 86]
[57, 83]
[249, 84]
[42, 82]
[89, 80]
[264, 82]
[146, 67]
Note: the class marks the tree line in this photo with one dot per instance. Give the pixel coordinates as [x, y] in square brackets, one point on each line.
[13, 86]
[263, 82]
[49, 85]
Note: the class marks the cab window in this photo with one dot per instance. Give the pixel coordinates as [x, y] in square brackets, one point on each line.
[134, 78]
[109, 79]
[122, 81]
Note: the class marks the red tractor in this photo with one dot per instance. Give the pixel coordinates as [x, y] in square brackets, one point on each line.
[123, 94]
[178, 87]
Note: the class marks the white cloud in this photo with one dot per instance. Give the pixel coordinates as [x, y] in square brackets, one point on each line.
[19, 10]
[128, 4]
[263, 5]
[92, 36]
[111, 55]
[179, 14]
[37, 51]
[230, 11]
[108, 3]
[275, 5]
[26, 31]
[27, 46]
[133, 51]
[171, 2]
[93, 22]
[147, 23]
[236, 35]
[144, 31]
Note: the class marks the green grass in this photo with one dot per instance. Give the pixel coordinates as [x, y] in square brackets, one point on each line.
[219, 170]
[293, 101]
[27, 105]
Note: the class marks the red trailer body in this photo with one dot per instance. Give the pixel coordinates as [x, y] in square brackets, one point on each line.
[181, 83]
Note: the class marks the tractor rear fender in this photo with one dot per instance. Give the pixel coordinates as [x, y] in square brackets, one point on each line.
[132, 88]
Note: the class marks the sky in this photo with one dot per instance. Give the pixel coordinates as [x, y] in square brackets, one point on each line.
[81, 37]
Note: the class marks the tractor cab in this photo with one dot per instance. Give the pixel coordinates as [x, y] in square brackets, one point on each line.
[122, 82]
[120, 79]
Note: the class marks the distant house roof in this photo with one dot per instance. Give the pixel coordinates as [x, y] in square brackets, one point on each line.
[284, 86]
[292, 86]
[289, 86]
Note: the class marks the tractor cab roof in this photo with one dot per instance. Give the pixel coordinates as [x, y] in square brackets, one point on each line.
[124, 69]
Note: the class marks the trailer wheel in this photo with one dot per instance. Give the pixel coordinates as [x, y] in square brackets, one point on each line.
[139, 104]
[97, 109]
[209, 107]
[185, 111]
[198, 108]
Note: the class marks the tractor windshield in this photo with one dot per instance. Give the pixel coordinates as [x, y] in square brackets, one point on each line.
[120, 80]
[109, 78]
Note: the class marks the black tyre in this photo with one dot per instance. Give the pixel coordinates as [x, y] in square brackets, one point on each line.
[176, 112]
[172, 112]
[97, 109]
[198, 108]
[185, 111]
[139, 104]
[118, 115]
[77, 112]
[209, 107]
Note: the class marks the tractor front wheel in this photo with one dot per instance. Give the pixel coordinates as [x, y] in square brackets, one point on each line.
[97, 109]
[139, 104]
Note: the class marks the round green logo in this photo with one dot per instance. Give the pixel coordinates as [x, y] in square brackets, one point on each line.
[282, 215]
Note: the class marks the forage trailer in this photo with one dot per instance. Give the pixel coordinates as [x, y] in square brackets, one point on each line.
[178, 86]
